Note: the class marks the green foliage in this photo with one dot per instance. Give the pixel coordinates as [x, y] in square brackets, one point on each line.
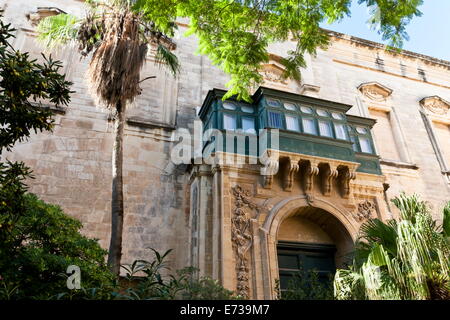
[406, 259]
[153, 281]
[37, 240]
[305, 285]
[35, 254]
[23, 84]
[236, 34]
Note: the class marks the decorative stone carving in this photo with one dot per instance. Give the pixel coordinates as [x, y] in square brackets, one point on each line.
[241, 235]
[435, 105]
[290, 169]
[344, 178]
[269, 170]
[41, 13]
[375, 91]
[365, 210]
[273, 73]
[328, 175]
[311, 169]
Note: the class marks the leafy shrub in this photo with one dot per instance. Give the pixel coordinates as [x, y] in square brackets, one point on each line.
[306, 285]
[406, 259]
[40, 247]
[152, 281]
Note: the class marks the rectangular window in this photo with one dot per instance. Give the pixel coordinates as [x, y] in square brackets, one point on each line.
[229, 121]
[325, 129]
[275, 120]
[248, 124]
[309, 126]
[341, 131]
[365, 145]
[292, 123]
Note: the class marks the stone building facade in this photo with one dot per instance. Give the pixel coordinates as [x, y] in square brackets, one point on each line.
[235, 224]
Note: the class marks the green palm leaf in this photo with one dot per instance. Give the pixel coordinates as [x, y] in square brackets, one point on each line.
[56, 30]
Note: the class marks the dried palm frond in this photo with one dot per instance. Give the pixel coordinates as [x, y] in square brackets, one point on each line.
[115, 67]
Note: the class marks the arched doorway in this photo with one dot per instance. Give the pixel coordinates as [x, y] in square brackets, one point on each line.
[315, 224]
[311, 238]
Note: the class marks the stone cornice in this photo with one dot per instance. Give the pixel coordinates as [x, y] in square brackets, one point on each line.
[377, 45]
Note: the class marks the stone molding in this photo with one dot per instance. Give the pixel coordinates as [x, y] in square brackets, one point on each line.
[435, 105]
[375, 91]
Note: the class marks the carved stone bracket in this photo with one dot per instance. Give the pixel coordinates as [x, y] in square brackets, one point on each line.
[268, 171]
[344, 178]
[365, 210]
[290, 170]
[241, 235]
[328, 175]
[310, 170]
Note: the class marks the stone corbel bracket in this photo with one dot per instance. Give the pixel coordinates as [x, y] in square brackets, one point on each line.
[344, 177]
[270, 169]
[309, 169]
[291, 168]
[329, 172]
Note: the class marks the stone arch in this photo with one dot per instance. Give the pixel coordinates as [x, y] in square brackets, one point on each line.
[341, 229]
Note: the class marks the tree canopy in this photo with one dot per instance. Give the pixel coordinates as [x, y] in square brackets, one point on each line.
[235, 34]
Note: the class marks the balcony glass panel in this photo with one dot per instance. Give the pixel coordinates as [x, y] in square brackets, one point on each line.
[322, 113]
[341, 131]
[229, 106]
[247, 109]
[309, 126]
[292, 123]
[306, 109]
[325, 129]
[365, 145]
[273, 103]
[248, 124]
[275, 120]
[229, 121]
[290, 106]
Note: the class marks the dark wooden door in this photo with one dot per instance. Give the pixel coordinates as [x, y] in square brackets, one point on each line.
[295, 258]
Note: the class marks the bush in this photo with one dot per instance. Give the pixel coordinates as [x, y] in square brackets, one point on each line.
[152, 281]
[42, 244]
[305, 285]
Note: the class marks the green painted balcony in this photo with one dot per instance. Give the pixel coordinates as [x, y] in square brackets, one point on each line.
[307, 125]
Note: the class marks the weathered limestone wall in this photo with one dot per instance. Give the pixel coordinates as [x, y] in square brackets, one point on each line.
[72, 165]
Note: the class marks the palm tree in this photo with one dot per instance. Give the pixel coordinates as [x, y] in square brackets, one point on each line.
[405, 259]
[117, 33]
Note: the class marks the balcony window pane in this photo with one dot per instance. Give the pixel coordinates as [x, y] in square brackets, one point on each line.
[292, 123]
[229, 106]
[273, 103]
[306, 109]
[248, 125]
[337, 116]
[229, 121]
[247, 109]
[322, 113]
[361, 130]
[308, 126]
[341, 131]
[325, 129]
[290, 106]
[365, 145]
[275, 120]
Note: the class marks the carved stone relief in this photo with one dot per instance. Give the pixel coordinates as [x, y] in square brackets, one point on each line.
[365, 210]
[436, 105]
[375, 91]
[241, 235]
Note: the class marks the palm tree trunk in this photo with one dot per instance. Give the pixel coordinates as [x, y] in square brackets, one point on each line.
[115, 246]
